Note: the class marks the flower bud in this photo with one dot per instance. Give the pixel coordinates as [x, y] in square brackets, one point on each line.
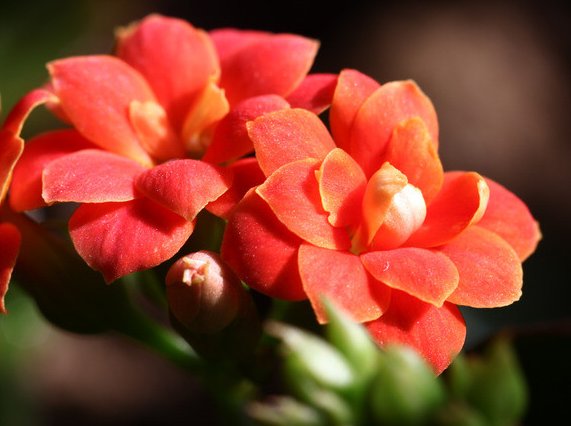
[203, 294]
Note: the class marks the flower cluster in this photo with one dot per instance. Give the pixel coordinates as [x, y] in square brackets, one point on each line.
[180, 120]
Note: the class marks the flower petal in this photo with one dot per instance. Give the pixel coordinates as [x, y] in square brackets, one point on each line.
[263, 63]
[314, 93]
[18, 115]
[176, 59]
[10, 238]
[341, 278]
[288, 135]
[375, 121]
[261, 250]
[412, 151]
[353, 88]
[231, 140]
[461, 202]
[26, 188]
[436, 333]
[90, 176]
[119, 238]
[424, 274]
[341, 185]
[490, 270]
[95, 93]
[184, 186]
[246, 174]
[292, 193]
[11, 147]
[509, 217]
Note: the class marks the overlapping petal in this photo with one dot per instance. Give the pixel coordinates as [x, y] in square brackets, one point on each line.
[119, 238]
[262, 251]
[10, 241]
[438, 334]
[489, 269]
[11, 147]
[292, 193]
[279, 62]
[341, 278]
[174, 57]
[90, 176]
[95, 93]
[509, 217]
[288, 135]
[314, 93]
[184, 186]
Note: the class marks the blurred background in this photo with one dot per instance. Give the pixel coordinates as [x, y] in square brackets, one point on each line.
[499, 74]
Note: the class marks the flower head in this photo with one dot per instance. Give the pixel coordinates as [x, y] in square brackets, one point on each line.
[368, 218]
[141, 121]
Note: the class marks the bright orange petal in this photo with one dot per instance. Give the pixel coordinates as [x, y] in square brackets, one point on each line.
[184, 186]
[412, 151]
[120, 238]
[95, 93]
[176, 59]
[288, 135]
[292, 193]
[314, 93]
[353, 88]
[10, 241]
[231, 140]
[26, 188]
[341, 185]
[461, 202]
[509, 217]
[375, 121]
[438, 334]
[340, 278]
[424, 274]
[261, 250]
[490, 270]
[90, 176]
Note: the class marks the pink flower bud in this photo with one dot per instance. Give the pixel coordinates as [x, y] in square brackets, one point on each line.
[203, 294]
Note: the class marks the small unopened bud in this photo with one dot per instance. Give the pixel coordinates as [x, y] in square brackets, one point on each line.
[203, 294]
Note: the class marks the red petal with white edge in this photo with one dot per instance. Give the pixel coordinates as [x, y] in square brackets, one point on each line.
[246, 174]
[11, 148]
[353, 88]
[26, 189]
[261, 250]
[288, 135]
[231, 140]
[341, 278]
[18, 115]
[490, 270]
[175, 58]
[293, 195]
[119, 238]
[315, 93]
[427, 275]
[95, 93]
[10, 237]
[438, 334]
[90, 176]
[264, 63]
[412, 151]
[341, 185]
[509, 217]
[184, 186]
[460, 203]
[375, 121]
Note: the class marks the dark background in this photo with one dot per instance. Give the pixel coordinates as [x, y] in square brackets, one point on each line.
[499, 76]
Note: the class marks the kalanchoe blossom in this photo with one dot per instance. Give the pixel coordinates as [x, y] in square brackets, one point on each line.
[140, 123]
[368, 219]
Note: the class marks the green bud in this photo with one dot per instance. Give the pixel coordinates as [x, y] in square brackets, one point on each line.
[285, 411]
[406, 391]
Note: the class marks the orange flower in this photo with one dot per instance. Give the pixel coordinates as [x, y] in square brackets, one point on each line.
[368, 219]
[140, 123]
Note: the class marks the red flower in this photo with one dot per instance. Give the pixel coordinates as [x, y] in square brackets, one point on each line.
[141, 121]
[370, 220]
